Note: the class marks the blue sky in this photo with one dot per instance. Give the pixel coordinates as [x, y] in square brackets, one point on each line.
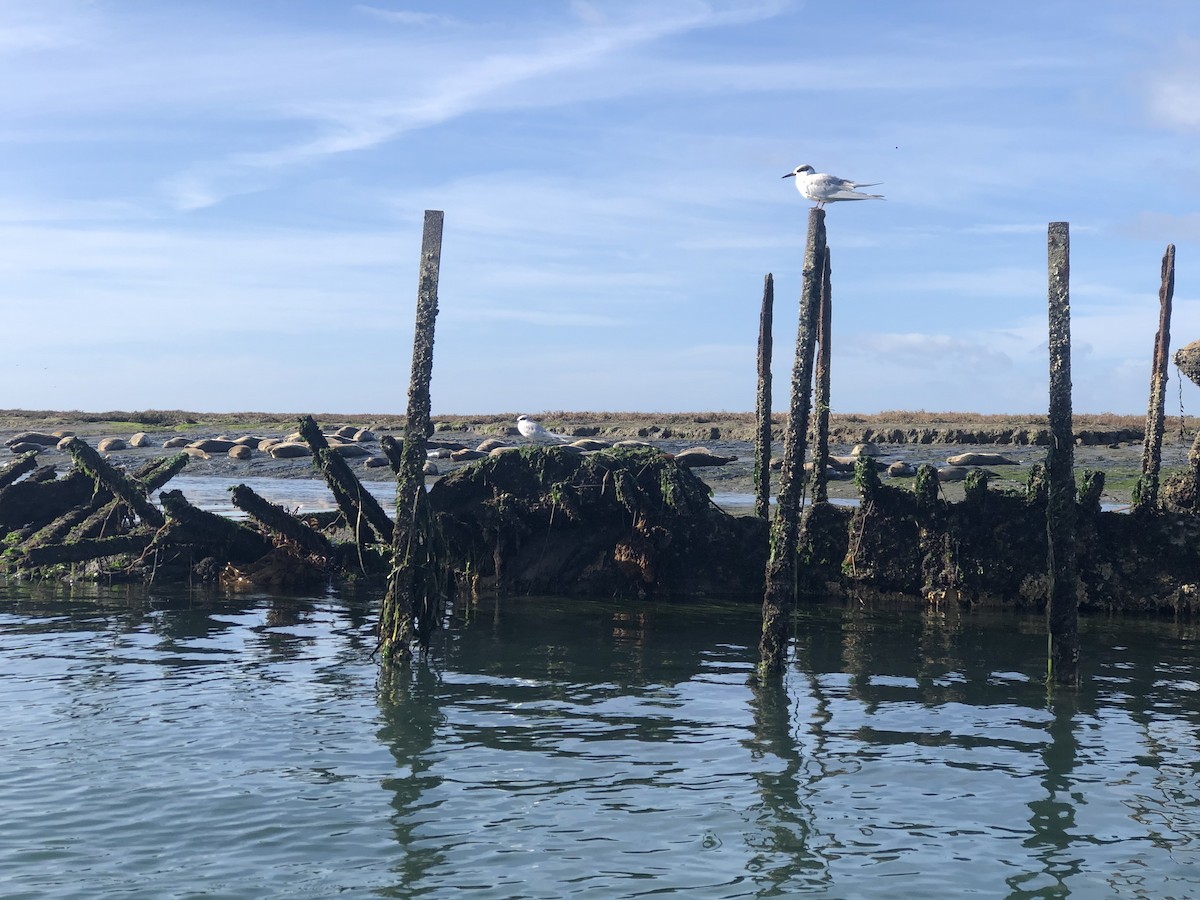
[217, 204]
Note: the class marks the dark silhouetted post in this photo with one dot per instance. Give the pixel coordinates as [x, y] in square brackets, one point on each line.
[762, 434]
[1062, 609]
[409, 604]
[779, 595]
[1146, 493]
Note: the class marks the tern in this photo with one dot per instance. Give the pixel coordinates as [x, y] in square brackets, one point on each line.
[824, 188]
[534, 431]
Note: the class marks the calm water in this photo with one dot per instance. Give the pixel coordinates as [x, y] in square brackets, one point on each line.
[174, 744]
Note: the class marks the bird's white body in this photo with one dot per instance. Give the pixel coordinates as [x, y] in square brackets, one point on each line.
[535, 432]
[822, 188]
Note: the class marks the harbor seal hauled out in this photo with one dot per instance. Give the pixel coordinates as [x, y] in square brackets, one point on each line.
[868, 449]
[952, 473]
[695, 457]
[981, 459]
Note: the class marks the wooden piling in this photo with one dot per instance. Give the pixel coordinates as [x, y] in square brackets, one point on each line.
[779, 594]
[1062, 608]
[820, 455]
[762, 434]
[410, 608]
[1145, 495]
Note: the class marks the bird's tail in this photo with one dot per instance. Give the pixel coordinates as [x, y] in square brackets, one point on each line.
[853, 195]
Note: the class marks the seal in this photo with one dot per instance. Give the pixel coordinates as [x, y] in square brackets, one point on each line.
[34, 437]
[213, 445]
[900, 469]
[110, 444]
[590, 444]
[952, 473]
[697, 457]
[289, 450]
[981, 459]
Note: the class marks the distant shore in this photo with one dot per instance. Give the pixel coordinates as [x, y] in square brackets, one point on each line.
[894, 426]
[1112, 444]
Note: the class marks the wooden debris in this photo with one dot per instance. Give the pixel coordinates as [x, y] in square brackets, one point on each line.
[362, 511]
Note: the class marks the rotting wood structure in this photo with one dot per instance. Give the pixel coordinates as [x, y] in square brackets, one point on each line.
[626, 522]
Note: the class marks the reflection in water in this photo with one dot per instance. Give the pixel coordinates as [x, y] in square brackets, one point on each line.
[247, 745]
[409, 700]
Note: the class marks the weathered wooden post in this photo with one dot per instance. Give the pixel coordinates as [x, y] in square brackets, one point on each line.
[779, 595]
[1145, 495]
[762, 433]
[411, 602]
[820, 456]
[1062, 608]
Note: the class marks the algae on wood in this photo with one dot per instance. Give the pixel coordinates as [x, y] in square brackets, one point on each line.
[1062, 608]
[762, 431]
[280, 521]
[1145, 495]
[117, 482]
[779, 592]
[820, 454]
[363, 513]
[411, 607]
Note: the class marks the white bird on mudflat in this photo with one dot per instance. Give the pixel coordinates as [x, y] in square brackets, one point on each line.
[824, 188]
[534, 431]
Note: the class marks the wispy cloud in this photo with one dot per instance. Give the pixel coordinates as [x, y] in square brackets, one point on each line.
[405, 17]
[489, 72]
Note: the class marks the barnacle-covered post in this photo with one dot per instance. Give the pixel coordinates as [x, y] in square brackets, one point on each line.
[779, 595]
[1145, 496]
[762, 433]
[1062, 608]
[411, 602]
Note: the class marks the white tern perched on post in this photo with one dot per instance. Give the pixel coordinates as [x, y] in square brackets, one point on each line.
[824, 188]
[534, 431]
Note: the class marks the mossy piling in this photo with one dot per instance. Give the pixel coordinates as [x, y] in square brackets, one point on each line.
[1146, 492]
[779, 592]
[1062, 608]
[412, 605]
[762, 433]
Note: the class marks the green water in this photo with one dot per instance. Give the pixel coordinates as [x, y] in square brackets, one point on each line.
[188, 744]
